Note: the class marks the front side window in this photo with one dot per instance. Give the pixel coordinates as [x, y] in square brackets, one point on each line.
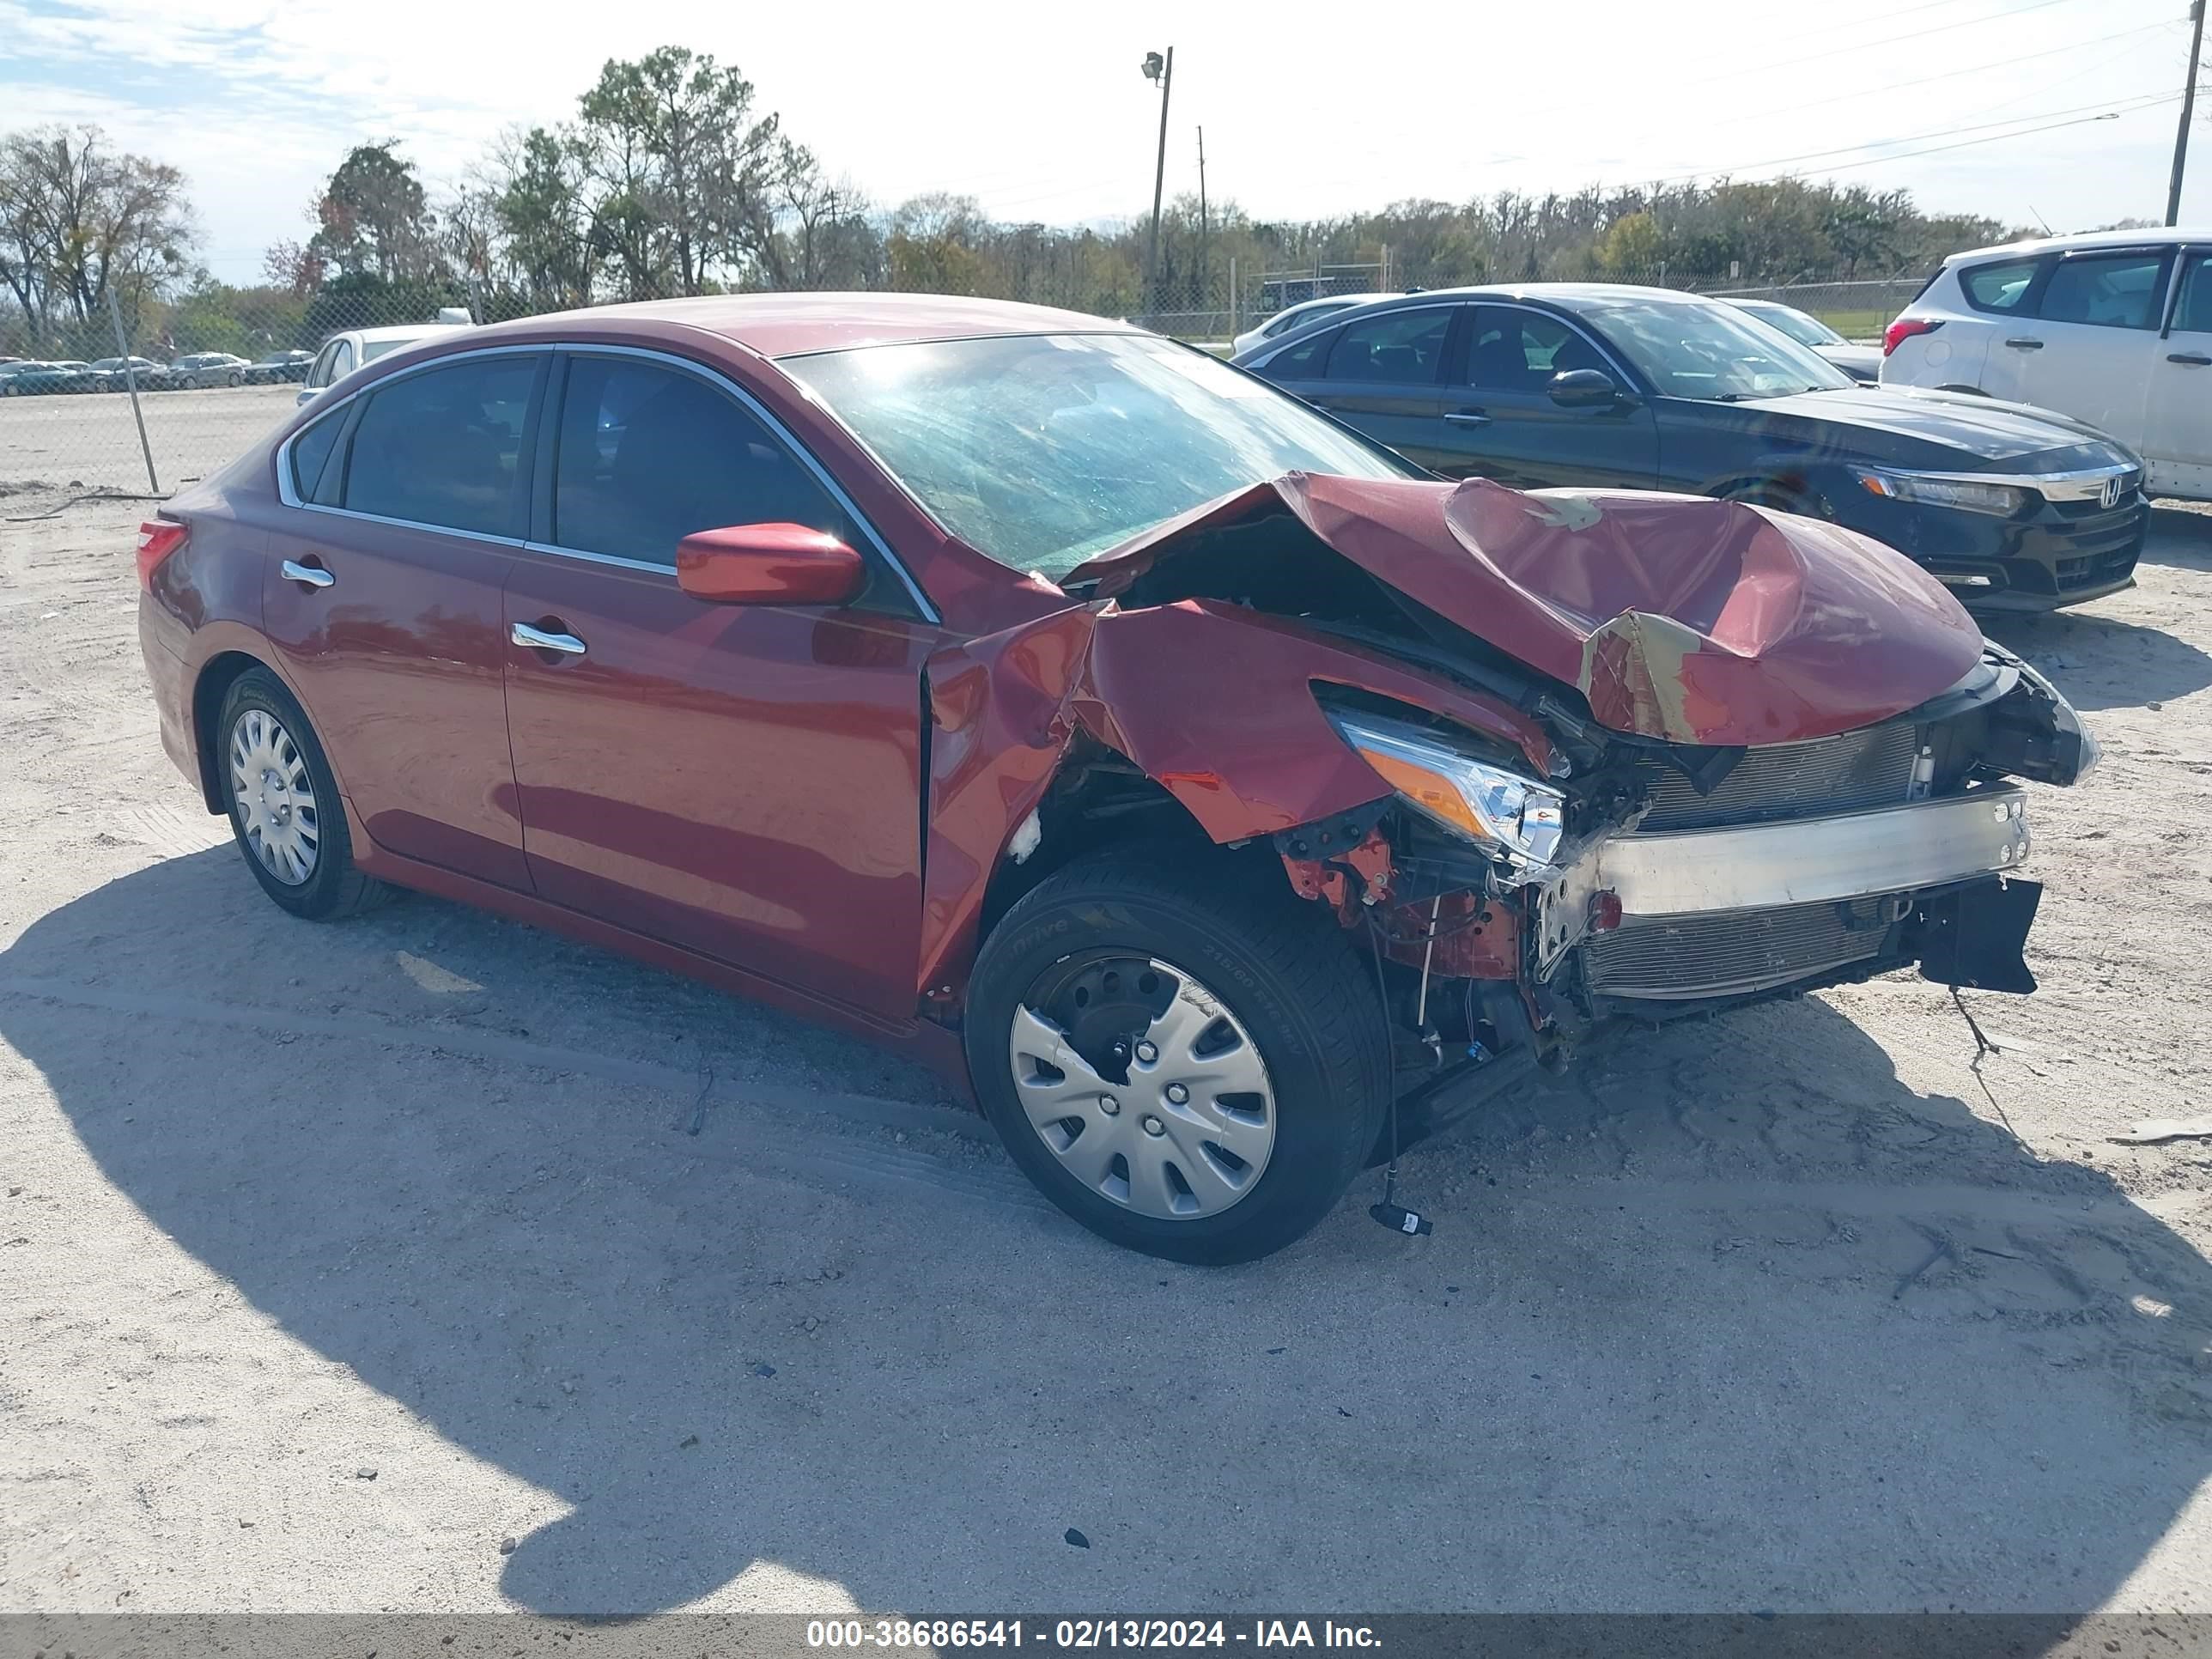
[650, 454]
[442, 446]
[1041, 450]
[1517, 350]
[1399, 348]
[2107, 290]
[2000, 287]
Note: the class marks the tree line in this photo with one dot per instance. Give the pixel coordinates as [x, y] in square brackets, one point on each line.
[670, 180]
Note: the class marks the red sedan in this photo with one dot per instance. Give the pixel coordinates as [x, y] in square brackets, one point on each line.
[1221, 798]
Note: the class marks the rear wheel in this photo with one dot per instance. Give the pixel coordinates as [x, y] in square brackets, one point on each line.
[236, 379]
[284, 808]
[1191, 1062]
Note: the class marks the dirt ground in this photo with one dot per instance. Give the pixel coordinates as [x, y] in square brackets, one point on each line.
[375, 1268]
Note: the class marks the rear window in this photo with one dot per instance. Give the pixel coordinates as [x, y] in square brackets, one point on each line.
[311, 451]
[1399, 348]
[2000, 287]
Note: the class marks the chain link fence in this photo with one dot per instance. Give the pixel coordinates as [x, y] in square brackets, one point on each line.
[98, 405]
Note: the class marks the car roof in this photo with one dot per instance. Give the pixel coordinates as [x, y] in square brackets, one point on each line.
[402, 331]
[794, 324]
[2142, 236]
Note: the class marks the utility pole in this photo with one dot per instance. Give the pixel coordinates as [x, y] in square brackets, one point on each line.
[1203, 227]
[2188, 112]
[1161, 69]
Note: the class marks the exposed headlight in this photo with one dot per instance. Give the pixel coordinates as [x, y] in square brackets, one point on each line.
[2003, 499]
[1483, 802]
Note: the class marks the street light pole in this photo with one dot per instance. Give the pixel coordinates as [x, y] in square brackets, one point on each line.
[2188, 111]
[1161, 69]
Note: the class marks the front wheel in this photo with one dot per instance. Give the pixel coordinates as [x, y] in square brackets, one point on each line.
[1191, 1061]
[238, 380]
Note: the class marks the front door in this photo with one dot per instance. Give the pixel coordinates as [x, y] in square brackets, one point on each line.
[2176, 439]
[1499, 421]
[741, 781]
[382, 598]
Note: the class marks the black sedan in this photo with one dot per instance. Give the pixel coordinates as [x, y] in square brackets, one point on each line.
[1593, 385]
[279, 367]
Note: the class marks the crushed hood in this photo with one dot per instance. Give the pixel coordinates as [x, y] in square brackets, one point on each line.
[1675, 617]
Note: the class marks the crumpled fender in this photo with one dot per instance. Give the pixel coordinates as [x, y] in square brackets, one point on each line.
[1678, 618]
[1212, 701]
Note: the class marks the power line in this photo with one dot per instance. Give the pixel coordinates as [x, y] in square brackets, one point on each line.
[1869, 46]
[1951, 74]
[1999, 137]
[2141, 101]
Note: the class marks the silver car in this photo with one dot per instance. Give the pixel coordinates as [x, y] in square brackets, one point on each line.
[206, 368]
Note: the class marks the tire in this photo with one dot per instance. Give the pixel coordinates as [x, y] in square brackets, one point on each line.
[262, 730]
[1067, 970]
[238, 380]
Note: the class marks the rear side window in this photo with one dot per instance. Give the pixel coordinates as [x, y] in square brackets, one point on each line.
[648, 454]
[2193, 314]
[2107, 290]
[1516, 350]
[442, 448]
[1302, 361]
[1400, 347]
[1999, 287]
[310, 452]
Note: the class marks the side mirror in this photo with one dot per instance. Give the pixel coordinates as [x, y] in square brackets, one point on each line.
[1585, 388]
[767, 564]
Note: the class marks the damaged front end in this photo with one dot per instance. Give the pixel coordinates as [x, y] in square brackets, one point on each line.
[1746, 775]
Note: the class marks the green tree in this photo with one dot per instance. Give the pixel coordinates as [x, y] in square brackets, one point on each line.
[373, 219]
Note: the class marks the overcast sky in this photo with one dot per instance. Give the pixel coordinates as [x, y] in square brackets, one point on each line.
[1040, 111]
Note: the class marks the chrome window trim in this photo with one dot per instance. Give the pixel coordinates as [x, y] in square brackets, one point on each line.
[329, 407]
[331, 410]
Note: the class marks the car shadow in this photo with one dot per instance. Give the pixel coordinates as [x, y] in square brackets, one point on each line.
[1740, 1320]
[2179, 536]
[2101, 662]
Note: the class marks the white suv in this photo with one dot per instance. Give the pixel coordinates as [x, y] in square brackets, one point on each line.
[2113, 327]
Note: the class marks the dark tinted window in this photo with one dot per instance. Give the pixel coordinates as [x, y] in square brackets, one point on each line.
[1302, 361]
[2193, 315]
[1403, 347]
[648, 454]
[1999, 287]
[1516, 350]
[441, 446]
[2110, 290]
[311, 450]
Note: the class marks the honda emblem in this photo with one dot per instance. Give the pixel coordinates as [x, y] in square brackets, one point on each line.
[2114, 488]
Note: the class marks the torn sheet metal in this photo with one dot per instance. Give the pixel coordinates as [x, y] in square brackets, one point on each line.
[1213, 703]
[1677, 618]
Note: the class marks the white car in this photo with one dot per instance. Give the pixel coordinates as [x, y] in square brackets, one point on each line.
[2113, 327]
[1297, 316]
[342, 354]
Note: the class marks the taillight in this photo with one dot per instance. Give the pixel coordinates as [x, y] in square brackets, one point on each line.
[1904, 329]
[157, 539]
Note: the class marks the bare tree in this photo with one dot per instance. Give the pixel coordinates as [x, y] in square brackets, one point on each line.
[79, 220]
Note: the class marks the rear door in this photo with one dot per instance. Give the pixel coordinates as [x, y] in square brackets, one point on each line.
[741, 781]
[2088, 349]
[2177, 437]
[1381, 373]
[1499, 421]
[383, 601]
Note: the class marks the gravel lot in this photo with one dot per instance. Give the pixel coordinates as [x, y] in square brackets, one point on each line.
[332, 1258]
[90, 438]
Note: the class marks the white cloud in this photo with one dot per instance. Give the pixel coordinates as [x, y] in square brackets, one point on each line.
[1041, 111]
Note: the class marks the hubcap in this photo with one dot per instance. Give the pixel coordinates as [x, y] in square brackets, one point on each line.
[274, 797]
[1093, 1037]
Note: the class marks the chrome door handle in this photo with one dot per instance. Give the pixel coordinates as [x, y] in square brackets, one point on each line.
[2194, 359]
[566, 644]
[2025, 344]
[1467, 418]
[314, 574]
